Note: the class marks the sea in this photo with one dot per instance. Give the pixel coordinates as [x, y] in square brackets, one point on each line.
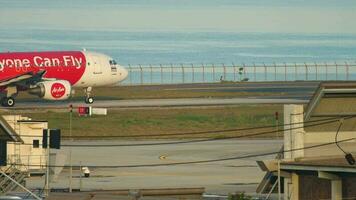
[155, 48]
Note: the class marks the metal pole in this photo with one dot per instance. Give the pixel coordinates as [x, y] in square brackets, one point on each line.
[336, 68]
[80, 176]
[47, 168]
[203, 73]
[234, 68]
[130, 71]
[285, 71]
[316, 71]
[160, 65]
[254, 71]
[70, 149]
[182, 72]
[141, 76]
[347, 70]
[151, 73]
[306, 71]
[275, 71]
[265, 72]
[326, 71]
[213, 73]
[279, 179]
[224, 71]
[171, 73]
[193, 73]
[295, 71]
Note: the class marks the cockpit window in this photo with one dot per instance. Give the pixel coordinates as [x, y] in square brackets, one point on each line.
[112, 62]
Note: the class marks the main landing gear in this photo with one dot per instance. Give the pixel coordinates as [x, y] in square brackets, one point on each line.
[88, 99]
[8, 101]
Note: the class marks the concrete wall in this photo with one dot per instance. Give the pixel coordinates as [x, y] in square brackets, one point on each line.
[314, 138]
[26, 154]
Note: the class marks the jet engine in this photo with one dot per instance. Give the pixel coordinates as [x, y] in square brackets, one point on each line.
[52, 90]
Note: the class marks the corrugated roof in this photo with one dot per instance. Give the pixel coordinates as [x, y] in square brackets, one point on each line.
[332, 99]
[333, 164]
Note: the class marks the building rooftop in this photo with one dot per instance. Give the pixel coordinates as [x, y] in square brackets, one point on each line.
[332, 100]
[7, 132]
[330, 164]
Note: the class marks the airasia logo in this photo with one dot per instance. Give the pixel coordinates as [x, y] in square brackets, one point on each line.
[58, 90]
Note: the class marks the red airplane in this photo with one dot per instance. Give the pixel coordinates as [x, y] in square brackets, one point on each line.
[52, 75]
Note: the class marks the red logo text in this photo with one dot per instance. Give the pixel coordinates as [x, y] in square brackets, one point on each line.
[58, 90]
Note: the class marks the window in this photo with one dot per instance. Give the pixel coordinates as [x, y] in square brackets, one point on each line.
[36, 144]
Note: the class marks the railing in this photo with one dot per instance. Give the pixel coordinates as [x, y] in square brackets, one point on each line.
[193, 73]
[29, 162]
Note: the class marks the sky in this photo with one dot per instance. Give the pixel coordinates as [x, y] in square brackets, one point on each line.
[281, 16]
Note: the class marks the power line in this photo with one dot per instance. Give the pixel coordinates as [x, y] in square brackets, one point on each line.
[199, 161]
[190, 133]
[196, 141]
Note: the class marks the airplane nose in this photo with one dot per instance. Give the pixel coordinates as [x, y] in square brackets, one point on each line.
[124, 73]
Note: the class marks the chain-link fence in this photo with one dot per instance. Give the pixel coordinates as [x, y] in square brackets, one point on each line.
[193, 73]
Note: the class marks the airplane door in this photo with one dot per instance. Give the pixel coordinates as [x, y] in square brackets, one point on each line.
[97, 65]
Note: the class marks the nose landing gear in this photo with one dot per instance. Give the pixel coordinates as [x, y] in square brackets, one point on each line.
[88, 99]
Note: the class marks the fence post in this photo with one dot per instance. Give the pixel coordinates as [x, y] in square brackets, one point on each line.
[316, 71]
[160, 65]
[265, 71]
[141, 77]
[275, 71]
[295, 71]
[171, 73]
[306, 71]
[183, 78]
[347, 70]
[203, 72]
[234, 70]
[213, 73]
[151, 74]
[336, 69]
[285, 71]
[254, 71]
[326, 71]
[130, 72]
[193, 73]
[224, 68]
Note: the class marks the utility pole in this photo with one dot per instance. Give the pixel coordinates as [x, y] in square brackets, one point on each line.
[279, 179]
[70, 150]
[47, 168]
[277, 123]
[80, 176]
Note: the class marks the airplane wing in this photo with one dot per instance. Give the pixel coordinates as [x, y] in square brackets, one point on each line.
[21, 79]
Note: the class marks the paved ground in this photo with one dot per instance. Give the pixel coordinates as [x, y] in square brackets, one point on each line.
[163, 102]
[218, 177]
[268, 92]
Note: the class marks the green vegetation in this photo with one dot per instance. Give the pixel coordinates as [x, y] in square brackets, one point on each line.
[240, 196]
[164, 120]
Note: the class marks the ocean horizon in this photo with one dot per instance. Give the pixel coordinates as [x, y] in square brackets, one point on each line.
[181, 47]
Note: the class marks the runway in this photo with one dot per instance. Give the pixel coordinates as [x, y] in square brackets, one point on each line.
[162, 102]
[246, 93]
[217, 177]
